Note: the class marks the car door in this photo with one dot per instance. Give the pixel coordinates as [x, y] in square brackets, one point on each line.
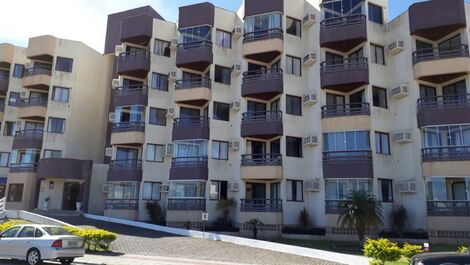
[6, 241]
[22, 242]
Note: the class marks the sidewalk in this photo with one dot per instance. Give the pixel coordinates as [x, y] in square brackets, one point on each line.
[129, 259]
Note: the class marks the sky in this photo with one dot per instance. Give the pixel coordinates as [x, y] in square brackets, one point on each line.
[85, 20]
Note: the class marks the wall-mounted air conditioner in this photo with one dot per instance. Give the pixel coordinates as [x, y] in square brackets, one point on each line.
[173, 44]
[407, 186]
[309, 19]
[169, 149]
[396, 47]
[119, 49]
[170, 112]
[235, 106]
[233, 186]
[312, 185]
[108, 152]
[311, 140]
[236, 69]
[402, 137]
[310, 98]
[237, 32]
[310, 59]
[399, 91]
[234, 145]
[164, 188]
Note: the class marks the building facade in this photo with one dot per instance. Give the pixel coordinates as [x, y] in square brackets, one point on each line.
[283, 106]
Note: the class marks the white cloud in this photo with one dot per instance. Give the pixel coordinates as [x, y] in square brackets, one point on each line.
[83, 20]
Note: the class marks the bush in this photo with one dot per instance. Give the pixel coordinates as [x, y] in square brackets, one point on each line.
[156, 213]
[6, 225]
[399, 216]
[381, 250]
[221, 223]
[303, 231]
[408, 235]
[409, 250]
[462, 250]
[94, 237]
[304, 219]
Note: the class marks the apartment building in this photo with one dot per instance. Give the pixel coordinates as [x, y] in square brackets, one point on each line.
[54, 111]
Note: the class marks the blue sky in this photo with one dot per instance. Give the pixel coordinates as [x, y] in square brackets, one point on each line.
[85, 20]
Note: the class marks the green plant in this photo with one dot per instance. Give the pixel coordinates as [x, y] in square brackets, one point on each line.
[6, 225]
[225, 206]
[94, 238]
[399, 217]
[304, 219]
[462, 250]
[381, 250]
[360, 212]
[255, 225]
[408, 250]
[156, 213]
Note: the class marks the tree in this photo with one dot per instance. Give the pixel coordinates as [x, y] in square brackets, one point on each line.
[254, 223]
[382, 251]
[360, 212]
[225, 206]
[304, 219]
[156, 213]
[408, 250]
[399, 217]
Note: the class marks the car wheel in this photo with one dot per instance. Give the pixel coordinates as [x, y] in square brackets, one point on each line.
[66, 261]
[33, 257]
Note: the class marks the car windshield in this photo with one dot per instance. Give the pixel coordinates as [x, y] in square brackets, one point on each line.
[56, 231]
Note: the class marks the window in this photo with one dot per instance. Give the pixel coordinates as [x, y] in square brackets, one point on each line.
[123, 191]
[263, 22]
[60, 94]
[293, 66]
[37, 233]
[219, 150]
[218, 190]
[162, 48]
[151, 191]
[223, 39]
[159, 82]
[27, 231]
[195, 34]
[346, 141]
[294, 105]
[129, 114]
[157, 116]
[14, 99]
[295, 190]
[339, 189]
[377, 54]
[190, 148]
[10, 128]
[379, 97]
[221, 111]
[375, 14]
[293, 146]
[382, 143]
[52, 153]
[222, 74]
[4, 159]
[187, 189]
[11, 232]
[293, 27]
[64, 64]
[343, 7]
[155, 152]
[18, 71]
[385, 190]
[56, 125]
[15, 192]
[442, 136]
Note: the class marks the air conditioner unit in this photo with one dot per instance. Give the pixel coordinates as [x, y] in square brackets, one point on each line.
[312, 185]
[400, 91]
[407, 186]
[236, 69]
[173, 44]
[311, 140]
[105, 188]
[108, 152]
[116, 82]
[170, 112]
[396, 47]
[402, 137]
[310, 98]
[237, 32]
[309, 19]
[234, 145]
[235, 106]
[310, 59]
[168, 149]
[233, 186]
[119, 49]
[164, 188]
[172, 75]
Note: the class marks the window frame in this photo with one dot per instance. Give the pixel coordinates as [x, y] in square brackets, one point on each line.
[376, 88]
[8, 159]
[222, 76]
[291, 70]
[58, 67]
[15, 199]
[15, 74]
[157, 110]
[219, 189]
[300, 152]
[216, 115]
[380, 188]
[294, 188]
[51, 151]
[53, 98]
[49, 129]
[372, 18]
[291, 107]
[298, 24]
[229, 37]
[160, 76]
[374, 55]
[151, 191]
[154, 153]
[219, 152]
[166, 51]
[5, 128]
[379, 148]
[16, 96]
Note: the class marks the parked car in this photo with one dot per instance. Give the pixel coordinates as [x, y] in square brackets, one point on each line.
[35, 243]
[441, 258]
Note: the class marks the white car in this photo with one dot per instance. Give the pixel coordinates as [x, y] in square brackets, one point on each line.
[35, 243]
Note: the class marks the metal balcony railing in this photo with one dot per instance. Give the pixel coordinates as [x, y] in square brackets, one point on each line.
[359, 63]
[264, 74]
[448, 208]
[131, 90]
[33, 102]
[261, 116]
[2, 106]
[186, 205]
[193, 83]
[446, 153]
[341, 110]
[38, 70]
[440, 53]
[263, 34]
[195, 45]
[29, 134]
[138, 54]
[125, 164]
[122, 204]
[352, 155]
[191, 122]
[444, 102]
[261, 205]
[130, 126]
[261, 160]
[332, 206]
[335, 22]
[23, 167]
[4, 75]
[190, 161]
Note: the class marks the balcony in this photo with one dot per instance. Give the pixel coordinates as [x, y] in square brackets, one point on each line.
[125, 170]
[134, 63]
[257, 7]
[448, 208]
[261, 167]
[348, 164]
[26, 139]
[193, 91]
[128, 133]
[263, 84]
[441, 110]
[186, 205]
[439, 65]
[344, 75]
[42, 48]
[355, 116]
[131, 95]
[189, 168]
[188, 128]
[33, 108]
[137, 30]
[38, 77]
[65, 168]
[435, 19]
[261, 205]
[122, 204]
[262, 124]
[264, 45]
[343, 33]
[2, 110]
[4, 82]
[196, 56]
[446, 153]
[23, 167]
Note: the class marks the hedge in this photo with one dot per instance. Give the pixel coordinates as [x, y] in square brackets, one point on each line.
[6, 225]
[93, 237]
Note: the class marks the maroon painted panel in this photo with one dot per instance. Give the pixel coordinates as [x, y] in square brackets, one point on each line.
[343, 38]
[4, 85]
[65, 168]
[443, 116]
[345, 80]
[125, 175]
[348, 169]
[262, 129]
[196, 15]
[137, 30]
[191, 132]
[197, 60]
[265, 89]
[135, 65]
[26, 143]
[256, 7]
[189, 173]
[126, 100]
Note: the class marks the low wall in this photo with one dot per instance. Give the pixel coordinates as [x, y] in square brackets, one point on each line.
[34, 218]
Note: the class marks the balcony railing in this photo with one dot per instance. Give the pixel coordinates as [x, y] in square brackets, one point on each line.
[444, 102]
[23, 167]
[332, 206]
[263, 34]
[359, 63]
[33, 102]
[261, 160]
[138, 54]
[193, 83]
[448, 208]
[131, 90]
[195, 45]
[196, 121]
[440, 53]
[4, 75]
[341, 110]
[122, 204]
[2, 106]
[191, 161]
[262, 116]
[125, 164]
[331, 23]
[353, 155]
[261, 205]
[29, 134]
[186, 205]
[130, 126]
[446, 153]
[38, 70]
[265, 74]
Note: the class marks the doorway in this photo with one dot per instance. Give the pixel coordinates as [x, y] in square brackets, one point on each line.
[72, 194]
[255, 191]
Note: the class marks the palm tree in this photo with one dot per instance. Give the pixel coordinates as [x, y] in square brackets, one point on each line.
[255, 225]
[360, 212]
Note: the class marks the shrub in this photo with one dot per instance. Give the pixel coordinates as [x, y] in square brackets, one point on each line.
[381, 250]
[6, 225]
[409, 250]
[156, 213]
[94, 237]
[304, 219]
[462, 250]
[399, 217]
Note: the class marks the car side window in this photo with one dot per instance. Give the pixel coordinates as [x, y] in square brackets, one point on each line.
[11, 232]
[27, 231]
[37, 233]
